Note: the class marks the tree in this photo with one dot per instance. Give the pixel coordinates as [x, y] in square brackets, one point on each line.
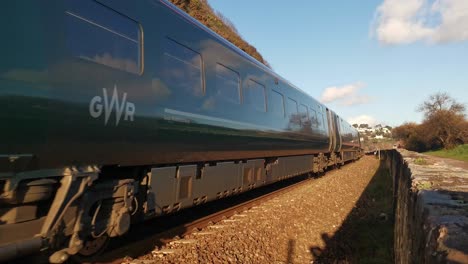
[441, 102]
[446, 127]
[444, 120]
[355, 125]
[404, 131]
[411, 135]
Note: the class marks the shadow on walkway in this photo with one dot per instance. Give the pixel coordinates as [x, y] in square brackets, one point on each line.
[366, 236]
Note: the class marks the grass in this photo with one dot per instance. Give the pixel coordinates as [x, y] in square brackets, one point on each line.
[458, 153]
[420, 161]
[424, 185]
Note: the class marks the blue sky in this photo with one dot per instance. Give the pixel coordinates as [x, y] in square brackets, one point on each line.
[370, 61]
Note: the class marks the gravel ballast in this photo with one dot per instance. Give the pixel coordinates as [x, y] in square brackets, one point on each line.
[286, 229]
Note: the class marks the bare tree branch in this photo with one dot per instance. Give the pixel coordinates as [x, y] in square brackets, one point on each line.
[441, 101]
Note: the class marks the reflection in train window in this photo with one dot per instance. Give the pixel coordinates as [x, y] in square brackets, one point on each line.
[292, 114]
[313, 118]
[101, 35]
[227, 84]
[276, 104]
[182, 70]
[291, 108]
[320, 121]
[254, 95]
[304, 115]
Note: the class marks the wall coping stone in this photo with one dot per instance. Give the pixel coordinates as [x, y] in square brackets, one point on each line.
[439, 191]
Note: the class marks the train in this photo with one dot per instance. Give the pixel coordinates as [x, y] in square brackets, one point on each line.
[114, 112]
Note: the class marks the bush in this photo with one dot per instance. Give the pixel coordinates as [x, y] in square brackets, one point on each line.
[415, 143]
[444, 126]
[202, 11]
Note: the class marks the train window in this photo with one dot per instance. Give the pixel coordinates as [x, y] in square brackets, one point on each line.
[304, 114]
[227, 84]
[320, 120]
[254, 95]
[292, 114]
[276, 104]
[323, 119]
[101, 35]
[182, 71]
[313, 118]
[291, 107]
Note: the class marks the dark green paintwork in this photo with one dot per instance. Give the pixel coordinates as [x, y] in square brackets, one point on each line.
[45, 94]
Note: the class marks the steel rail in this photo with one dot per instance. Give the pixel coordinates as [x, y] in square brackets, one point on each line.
[145, 245]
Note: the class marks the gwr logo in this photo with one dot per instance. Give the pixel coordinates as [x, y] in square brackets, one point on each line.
[97, 106]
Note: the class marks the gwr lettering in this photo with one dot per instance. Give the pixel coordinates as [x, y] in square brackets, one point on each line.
[99, 104]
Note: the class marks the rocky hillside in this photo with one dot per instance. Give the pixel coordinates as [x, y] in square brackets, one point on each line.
[202, 11]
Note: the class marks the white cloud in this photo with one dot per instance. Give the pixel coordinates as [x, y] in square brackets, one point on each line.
[363, 119]
[454, 14]
[435, 21]
[356, 99]
[346, 95]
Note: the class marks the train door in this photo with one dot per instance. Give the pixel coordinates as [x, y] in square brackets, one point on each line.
[331, 130]
[338, 132]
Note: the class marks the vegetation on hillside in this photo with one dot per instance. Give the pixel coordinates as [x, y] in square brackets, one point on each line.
[202, 11]
[458, 153]
[444, 125]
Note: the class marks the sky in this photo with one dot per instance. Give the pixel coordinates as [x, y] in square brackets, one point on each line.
[371, 61]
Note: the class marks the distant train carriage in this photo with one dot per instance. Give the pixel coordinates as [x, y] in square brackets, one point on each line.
[118, 111]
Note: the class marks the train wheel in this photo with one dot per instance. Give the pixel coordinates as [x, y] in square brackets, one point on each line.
[92, 248]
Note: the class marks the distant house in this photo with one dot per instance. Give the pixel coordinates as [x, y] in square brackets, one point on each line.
[386, 130]
[365, 130]
[377, 132]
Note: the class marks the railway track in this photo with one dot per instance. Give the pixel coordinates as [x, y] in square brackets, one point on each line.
[217, 212]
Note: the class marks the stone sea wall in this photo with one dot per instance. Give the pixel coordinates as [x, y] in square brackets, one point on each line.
[431, 208]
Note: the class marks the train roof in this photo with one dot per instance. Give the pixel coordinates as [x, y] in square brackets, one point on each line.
[230, 45]
[234, 48]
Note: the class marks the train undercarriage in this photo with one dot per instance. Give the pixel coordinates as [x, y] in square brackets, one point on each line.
[74, 211]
